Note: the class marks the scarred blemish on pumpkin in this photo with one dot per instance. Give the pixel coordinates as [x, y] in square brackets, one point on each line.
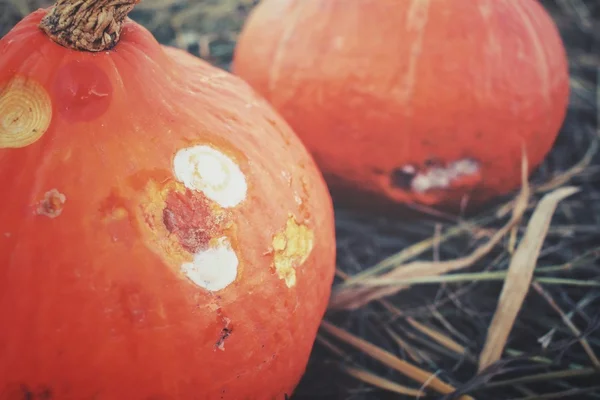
[189, 232]
[205, 169]
[304, 203]
[151, 212]
[116, 214]
[301, 195]
[215, 268]
[25, 112]
[113, 207]
[434, 175]
[291, 247]
[82, 90]
[226, 331]
[52, 204]
[116, 219]
[139, 180]
[189, 217]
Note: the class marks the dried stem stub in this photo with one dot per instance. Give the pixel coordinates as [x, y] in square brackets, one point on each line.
[87, 25]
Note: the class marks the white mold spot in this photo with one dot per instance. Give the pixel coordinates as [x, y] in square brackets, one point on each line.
[206, 169]
[213, 269]
[441, 177]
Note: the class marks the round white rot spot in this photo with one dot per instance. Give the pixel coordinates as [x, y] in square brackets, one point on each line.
[206, 169]
[213, 269]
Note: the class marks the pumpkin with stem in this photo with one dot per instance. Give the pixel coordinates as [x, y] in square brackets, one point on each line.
[412, 101]
[163, 232]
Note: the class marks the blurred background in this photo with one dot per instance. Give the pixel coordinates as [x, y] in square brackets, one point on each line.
[441, 327]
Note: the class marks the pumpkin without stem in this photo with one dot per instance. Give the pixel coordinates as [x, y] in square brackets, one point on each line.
[163, 233]
[420, 101]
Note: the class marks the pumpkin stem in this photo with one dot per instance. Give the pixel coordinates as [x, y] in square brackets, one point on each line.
[87, 25]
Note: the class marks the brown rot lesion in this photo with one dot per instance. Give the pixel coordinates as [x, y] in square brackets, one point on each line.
[188, 218]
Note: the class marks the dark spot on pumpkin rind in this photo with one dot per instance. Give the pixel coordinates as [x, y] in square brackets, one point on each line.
[401, 179]
[225, 333]
[426, 143]
[189, 217]
[432, 162]
[44, 394]
[26, 392]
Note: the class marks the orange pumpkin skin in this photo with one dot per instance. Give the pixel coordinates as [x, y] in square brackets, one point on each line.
[95, 228]
[388, 93]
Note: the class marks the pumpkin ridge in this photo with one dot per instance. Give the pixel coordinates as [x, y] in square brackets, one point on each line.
[283, 40]
[539, 50]
[416, 23]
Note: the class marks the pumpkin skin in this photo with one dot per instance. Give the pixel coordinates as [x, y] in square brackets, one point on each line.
[96, 226]
[389, 95]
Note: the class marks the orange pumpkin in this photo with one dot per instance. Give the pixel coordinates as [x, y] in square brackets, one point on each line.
[422, 101]
[163, 233]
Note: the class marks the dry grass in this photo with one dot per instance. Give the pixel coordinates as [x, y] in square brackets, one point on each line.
[518, 278]
[504, 304]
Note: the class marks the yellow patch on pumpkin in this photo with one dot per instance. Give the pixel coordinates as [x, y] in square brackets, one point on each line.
[291, 248]
[25, 112]
[118, 214]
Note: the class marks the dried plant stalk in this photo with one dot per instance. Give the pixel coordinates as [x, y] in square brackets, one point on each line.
[425, 378]
[520, 273]
[382, 383]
